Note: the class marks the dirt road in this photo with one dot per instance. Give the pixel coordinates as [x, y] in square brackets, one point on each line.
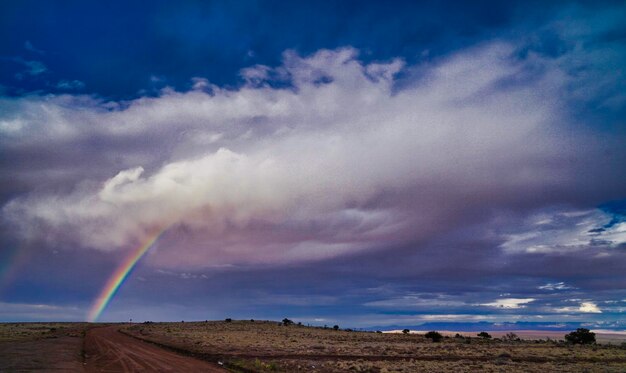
[108, 350]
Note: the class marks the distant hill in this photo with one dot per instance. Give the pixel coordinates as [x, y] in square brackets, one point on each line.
[489, 326]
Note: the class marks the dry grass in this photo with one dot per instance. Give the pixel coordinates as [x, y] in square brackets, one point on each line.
[269, 346]
[28, 331]
[27, 347]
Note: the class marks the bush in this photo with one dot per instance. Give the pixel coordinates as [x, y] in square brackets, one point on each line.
[336, 327]
[406, 331]
[457, 335]
[435, 336]
[511, 337]
[581, 336]
[484, 335]
[287, 322]
[228, 320]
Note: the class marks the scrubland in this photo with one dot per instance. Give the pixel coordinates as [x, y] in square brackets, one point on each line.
[260, 346]
[26, 347]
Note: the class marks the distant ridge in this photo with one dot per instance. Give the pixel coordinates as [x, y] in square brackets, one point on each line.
[520, 326]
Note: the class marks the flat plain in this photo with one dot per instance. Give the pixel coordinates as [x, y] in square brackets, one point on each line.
[26, 347]
[266, 346]
[270, 346]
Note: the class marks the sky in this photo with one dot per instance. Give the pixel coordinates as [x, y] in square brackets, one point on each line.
[370, 164]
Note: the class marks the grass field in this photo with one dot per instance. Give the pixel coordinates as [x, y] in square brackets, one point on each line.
[270, 346]
[29, 331]
[26, 347]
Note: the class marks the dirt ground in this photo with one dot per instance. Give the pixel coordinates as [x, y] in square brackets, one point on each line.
[59, 354]
[78, 347]
[107, 350]
[26, 347]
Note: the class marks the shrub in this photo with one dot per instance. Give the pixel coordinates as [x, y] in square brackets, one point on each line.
[581, 336]
[406, 331]
[228, 320]
[484, 335]
[336, 327]
[287, 322]
[435, 336]
[510, 337]
[457, 335]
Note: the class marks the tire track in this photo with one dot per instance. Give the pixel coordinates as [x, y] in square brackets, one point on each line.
[108, 350]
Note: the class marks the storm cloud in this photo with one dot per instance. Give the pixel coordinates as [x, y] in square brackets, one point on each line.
[340, 161]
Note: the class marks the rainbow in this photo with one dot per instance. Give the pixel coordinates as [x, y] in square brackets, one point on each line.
[11, 262]
[120, 274]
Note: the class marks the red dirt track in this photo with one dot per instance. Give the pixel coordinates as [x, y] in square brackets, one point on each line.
[108, 350]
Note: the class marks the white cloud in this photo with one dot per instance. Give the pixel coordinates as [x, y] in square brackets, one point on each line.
[39, 312]
[552, 286]
[70, 84]
[31, 48]
[589, 307]
[509, 303]
[585, 307]
[340, 162]
[565, 231]
[418, 301]
[32, 67]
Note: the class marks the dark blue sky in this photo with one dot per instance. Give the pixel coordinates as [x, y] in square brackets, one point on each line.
[126, 49]
[373, 164]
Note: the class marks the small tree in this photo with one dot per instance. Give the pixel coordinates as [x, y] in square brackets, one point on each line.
[581, 336]
[287, 322]
[336, 327]
[228, 320]
[484, 335]
[435, 336]
[405, 331]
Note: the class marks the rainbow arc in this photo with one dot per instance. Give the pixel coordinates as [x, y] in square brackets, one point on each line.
[119, 276]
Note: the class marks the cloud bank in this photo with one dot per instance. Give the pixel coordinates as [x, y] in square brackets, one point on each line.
[321, 156]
